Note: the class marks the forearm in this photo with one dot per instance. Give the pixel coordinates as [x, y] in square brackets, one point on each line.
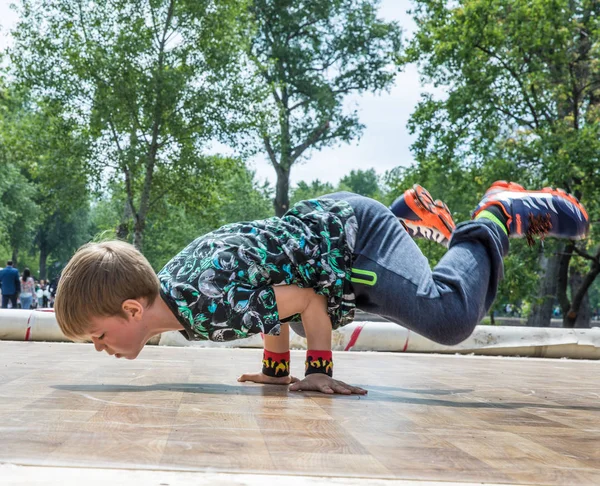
[317, 324]
[312, 307]
[278, 344]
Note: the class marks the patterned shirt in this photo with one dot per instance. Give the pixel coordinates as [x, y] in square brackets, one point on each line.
[220, 286]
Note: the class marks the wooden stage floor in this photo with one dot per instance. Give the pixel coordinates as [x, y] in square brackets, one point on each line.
[453, 419]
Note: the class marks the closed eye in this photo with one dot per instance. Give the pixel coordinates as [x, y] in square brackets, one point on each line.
[102, 336]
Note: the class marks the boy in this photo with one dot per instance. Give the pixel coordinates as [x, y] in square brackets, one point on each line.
[313, 266]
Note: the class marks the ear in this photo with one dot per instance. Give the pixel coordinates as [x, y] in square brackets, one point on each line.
[133, 309]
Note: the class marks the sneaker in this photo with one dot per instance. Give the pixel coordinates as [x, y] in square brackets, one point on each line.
[422, 217]
[547, 212]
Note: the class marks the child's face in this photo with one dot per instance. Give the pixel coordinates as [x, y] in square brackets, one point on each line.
[119, 336]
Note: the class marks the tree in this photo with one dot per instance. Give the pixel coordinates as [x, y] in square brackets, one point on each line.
[315, 189]
[50, 151]
[153, 79]
[18, 210]
[59, 235]
[523, 82]
[364, 182]
[21, 197]
[243, 198]
[310, 55]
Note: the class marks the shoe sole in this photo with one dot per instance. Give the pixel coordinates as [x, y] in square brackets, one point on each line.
[418, 231]
[424, 200]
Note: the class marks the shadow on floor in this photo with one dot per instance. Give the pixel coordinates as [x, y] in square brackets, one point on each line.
[376, 393]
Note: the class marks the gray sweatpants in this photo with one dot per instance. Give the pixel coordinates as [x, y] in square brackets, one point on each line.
[392, 278]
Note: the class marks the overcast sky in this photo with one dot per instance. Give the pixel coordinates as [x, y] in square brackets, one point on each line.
[385, 141]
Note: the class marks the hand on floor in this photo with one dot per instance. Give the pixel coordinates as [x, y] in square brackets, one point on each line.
[325, 384]
[267, 380]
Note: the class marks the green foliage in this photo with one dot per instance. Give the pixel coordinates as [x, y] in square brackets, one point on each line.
[152, 80]
[59, 237]
[522, 88]
[44, 156]
[304, 191]
[172, 226]
[363, 182]
[18, 210]
[521, 276]
[243, 198]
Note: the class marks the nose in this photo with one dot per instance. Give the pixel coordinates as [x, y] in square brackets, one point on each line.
[98, 345]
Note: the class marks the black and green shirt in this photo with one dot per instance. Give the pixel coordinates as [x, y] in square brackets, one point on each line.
[220, 286]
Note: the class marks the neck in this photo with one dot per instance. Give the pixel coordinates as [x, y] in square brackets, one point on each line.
[159, 318]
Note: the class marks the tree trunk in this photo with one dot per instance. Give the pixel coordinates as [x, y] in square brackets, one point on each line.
[541, 313]
[583, 314]
[282, 197]
[566, 253]
[140, 217]
[138, 234]
[43, 260]
[122, 232]
[580, 302]
[15, 256]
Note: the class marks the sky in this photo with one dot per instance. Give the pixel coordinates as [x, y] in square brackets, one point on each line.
[385, 141]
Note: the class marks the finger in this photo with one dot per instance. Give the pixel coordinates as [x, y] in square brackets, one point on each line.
[326, 389]
[353, 389]
[342, 390]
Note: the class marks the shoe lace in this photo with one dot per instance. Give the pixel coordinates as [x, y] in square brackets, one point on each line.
[539, 225]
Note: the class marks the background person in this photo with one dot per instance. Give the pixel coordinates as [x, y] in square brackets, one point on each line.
[44, 295]
[28, 296]
[10, 284]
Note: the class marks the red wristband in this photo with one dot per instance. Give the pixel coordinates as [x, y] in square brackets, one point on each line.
[319, 362]
[276, 364]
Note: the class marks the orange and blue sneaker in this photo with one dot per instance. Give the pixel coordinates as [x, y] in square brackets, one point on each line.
[547, 212]
[422, 217]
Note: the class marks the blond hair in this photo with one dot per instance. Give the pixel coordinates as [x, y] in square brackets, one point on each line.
[96, 282]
